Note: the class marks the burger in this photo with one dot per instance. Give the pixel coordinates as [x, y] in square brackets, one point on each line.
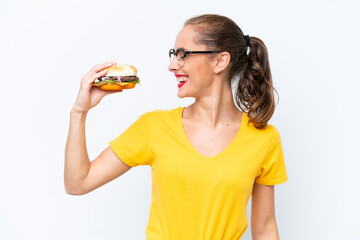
[118, 77]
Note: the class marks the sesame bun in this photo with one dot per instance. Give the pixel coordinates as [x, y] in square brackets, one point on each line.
[118, 77]
[122, 70]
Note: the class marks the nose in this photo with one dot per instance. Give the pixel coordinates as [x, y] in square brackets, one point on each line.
[173, 66]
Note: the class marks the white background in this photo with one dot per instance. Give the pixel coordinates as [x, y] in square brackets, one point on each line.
[46, 46]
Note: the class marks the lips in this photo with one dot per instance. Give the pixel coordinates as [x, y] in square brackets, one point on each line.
[180, 75]
[181, 79]
[180, 84]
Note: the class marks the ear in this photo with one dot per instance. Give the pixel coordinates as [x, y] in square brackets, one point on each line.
[221, 62]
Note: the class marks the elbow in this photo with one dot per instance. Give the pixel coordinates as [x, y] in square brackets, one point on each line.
[72, 189]
[73, 192]
[265, 231]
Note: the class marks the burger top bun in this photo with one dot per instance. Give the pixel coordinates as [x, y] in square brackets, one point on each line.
[122, 70]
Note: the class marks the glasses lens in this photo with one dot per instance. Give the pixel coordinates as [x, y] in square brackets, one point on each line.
[180, 56]
[171, 54]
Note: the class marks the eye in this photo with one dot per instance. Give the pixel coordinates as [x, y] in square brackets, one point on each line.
[180, 53]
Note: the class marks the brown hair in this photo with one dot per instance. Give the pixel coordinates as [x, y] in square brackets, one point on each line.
[254, 90]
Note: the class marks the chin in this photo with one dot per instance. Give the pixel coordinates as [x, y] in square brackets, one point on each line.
[181, 95]
[189, 92]
[185, 95]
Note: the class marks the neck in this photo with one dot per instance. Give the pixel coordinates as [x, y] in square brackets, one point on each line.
[216, 109]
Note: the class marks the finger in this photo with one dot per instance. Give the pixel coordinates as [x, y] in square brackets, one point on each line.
[88, 80]
[98, 67]
[98, 74]
[101, 66]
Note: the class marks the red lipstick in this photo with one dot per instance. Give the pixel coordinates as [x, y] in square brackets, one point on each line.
[180, 75]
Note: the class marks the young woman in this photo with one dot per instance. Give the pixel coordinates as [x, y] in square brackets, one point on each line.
[206, 158]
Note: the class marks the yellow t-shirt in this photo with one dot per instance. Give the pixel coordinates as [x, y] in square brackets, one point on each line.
[193, 196]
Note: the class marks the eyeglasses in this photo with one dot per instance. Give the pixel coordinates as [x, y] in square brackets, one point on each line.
[181, 55]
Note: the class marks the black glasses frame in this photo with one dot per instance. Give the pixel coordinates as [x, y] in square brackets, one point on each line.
[175, 52]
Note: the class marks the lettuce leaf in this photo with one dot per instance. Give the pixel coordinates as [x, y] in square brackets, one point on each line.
[108, 81]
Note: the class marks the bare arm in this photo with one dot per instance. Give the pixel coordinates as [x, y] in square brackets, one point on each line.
[263, 221]
[81, 175]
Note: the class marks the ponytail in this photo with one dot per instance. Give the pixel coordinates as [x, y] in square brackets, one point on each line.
[254, 92]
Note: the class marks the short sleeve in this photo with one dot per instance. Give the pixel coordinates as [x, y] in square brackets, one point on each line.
[132, 146]
[273, 170]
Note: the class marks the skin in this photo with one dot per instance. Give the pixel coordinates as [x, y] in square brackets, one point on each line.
[213, 120]
[213, 116]
[80, 175]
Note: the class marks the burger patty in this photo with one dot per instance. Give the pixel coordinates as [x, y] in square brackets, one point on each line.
[122, 78]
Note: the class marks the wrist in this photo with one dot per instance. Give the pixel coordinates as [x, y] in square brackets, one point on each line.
[78, 113]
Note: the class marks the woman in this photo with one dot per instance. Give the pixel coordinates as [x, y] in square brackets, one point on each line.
[206, 158]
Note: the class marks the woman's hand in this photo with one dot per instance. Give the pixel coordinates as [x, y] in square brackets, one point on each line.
[90, 96]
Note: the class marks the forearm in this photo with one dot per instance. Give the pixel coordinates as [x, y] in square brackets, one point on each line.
[77, 161]
[267, 231]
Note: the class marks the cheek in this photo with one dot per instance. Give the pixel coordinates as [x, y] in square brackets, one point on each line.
[200, 77]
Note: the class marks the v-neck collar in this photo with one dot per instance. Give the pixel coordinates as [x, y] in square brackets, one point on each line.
[196, 152]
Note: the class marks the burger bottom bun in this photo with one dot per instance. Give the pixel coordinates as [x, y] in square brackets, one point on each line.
[111, 87]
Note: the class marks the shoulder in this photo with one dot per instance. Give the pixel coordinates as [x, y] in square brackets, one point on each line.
[269, 133]
[163, 113]
[163, 116]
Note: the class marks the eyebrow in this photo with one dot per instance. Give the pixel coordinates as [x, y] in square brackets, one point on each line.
[183, 49]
